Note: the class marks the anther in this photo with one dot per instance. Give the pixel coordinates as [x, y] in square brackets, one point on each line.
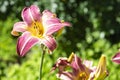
[62, 21]
[34, 27]
[54, 16]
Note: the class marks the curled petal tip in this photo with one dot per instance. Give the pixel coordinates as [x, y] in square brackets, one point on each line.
[18, 27]
[14, 33]
[67, 24]
[46, 11]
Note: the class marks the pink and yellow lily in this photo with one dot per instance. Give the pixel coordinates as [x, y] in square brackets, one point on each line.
[36, 28]
[80, 70]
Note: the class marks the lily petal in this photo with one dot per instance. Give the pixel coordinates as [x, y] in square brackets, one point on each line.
[47, 15]
[60, 64]
[30, 14]
[18, 27]
[35, 11]
[79, 67]
[88, 64]
[78, 63]
[50, 42]
[65, 76]
[116, 58]
[52, 23]
[55, 27]
[25, 42]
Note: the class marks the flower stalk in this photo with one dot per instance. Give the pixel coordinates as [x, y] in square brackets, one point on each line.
[41, 62]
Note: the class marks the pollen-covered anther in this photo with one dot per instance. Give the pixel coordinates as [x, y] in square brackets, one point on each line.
[15, 33]
[83, 76]
[54, 16]
[36, 29]
[62, 21]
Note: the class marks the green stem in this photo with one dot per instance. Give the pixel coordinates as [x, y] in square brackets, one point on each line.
[41, 63]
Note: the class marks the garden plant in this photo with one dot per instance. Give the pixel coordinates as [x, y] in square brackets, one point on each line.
[59, 40]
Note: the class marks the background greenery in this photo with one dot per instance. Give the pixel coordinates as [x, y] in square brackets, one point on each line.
[95, 31]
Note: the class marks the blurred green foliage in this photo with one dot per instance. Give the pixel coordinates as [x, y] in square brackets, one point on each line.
[95, 30]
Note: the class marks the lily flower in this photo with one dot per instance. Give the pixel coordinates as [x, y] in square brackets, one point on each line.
[116, 58]
[36, 28]
[80, 70]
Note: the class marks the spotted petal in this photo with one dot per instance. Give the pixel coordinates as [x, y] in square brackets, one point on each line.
[18, 27]
[25, 42]
[116, 58]
[30, 14]
[49, 42]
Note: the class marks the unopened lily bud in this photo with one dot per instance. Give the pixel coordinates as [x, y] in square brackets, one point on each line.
[101, 71]
[71, 57]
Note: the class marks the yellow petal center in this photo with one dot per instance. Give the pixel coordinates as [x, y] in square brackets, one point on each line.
[82, 76]
[36, 29]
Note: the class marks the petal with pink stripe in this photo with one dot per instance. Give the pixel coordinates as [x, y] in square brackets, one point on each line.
[50, 42]
[52, 28]
[25, 42]
[35, 11]
[51, 23]
[77, 65]
[19, 27]
[30, 14]
[116, 58]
